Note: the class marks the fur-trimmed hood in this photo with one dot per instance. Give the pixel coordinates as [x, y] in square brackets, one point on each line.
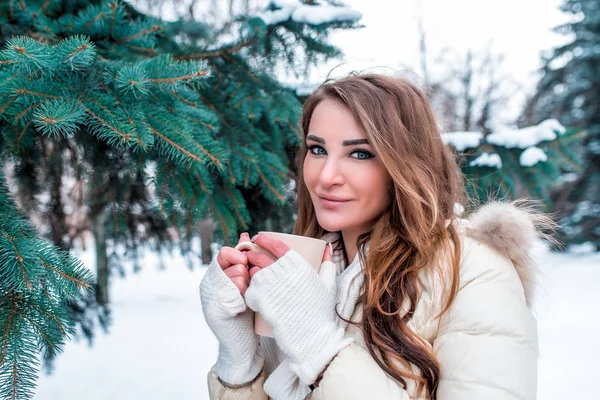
[512, 228]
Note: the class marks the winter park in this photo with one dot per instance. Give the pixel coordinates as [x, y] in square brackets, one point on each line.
[145, 143]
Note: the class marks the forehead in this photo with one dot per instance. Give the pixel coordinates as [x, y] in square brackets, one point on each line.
[333, 120]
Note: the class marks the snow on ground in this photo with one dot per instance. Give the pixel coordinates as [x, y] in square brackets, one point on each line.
[159, 347]
[569, 327]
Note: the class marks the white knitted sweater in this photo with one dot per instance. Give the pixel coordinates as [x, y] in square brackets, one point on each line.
[349, 282]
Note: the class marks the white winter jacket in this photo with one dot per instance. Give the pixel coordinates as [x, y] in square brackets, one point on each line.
[486, 343]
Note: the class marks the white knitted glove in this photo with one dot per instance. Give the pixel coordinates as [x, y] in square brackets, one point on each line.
[240, 359]
[283, 384]
[300, 308]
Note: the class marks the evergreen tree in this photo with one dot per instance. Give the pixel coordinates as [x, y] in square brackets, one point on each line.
[528, 162]
[36, 281]
[570, 91]
[163, 124]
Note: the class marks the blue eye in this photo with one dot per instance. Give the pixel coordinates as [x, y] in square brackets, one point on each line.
[310, 148]
[367, 154]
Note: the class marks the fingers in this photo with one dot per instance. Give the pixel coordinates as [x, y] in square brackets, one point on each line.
[327, 256]
[328, 270]
[238, 271]
[229, 256]
[254, 270]
[275, 246]
[244, 237]
[241, 284]
[328, 273]
[259, 259]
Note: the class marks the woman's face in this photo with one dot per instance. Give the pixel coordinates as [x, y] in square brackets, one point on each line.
[352, 172]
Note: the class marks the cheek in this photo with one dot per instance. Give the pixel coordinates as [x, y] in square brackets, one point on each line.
[375, 185]
[308, 173]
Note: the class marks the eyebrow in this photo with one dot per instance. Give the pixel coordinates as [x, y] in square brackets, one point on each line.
[345, 142]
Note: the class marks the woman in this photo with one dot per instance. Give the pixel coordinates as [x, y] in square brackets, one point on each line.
[425, 305]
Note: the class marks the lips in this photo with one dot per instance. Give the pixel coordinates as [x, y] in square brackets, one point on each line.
[331, 203]
[332, 198]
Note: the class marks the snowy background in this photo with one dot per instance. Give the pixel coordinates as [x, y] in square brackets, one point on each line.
[160, 347]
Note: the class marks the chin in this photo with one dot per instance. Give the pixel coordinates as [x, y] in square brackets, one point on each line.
[331, 225]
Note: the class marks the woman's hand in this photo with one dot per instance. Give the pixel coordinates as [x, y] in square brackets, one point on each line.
[278, 248]
[299, 305]
[240, 358]
[235, 264]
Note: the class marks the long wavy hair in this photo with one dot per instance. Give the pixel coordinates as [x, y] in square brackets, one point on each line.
[426, 182]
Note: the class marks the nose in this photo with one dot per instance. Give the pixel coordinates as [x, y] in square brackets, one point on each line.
[331, 174]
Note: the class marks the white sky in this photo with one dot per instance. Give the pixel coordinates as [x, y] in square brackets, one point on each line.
[519, 29]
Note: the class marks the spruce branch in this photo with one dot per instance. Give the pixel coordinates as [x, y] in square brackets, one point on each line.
[217, 53]
[178, 78]
[7, 103]
[148, 50]
[77, 280]
[222, 223]
[270, 185]
[201, 182]
[125, 137]
[154, 28]
[98, 17]
[21, 134]
[113, 7]
[45, 5]
[172, 143]
[20, 115]
[28, 92]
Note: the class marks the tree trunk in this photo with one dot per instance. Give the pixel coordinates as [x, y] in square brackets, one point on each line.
[206, 231]
[99, 230]
[467, 83]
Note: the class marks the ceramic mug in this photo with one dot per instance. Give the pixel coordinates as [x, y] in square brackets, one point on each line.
[310, 249]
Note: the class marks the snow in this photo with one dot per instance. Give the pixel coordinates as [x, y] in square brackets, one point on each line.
[532, 156]
[307, 14]
[277, 16]
[582, 248]
[324, 14]
[462, 140]
[526, 137]
[458, 209]
[487, 160]
[568, 329]
[567, 177]
[160, 347]
[594, 147]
